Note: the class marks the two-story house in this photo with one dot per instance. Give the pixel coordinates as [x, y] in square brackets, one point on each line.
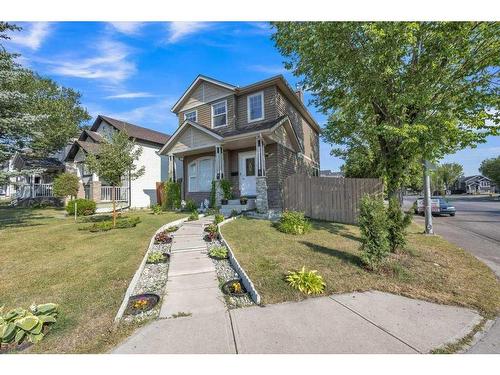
[254, 136]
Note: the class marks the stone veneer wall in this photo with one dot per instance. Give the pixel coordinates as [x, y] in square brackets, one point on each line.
[261, 202]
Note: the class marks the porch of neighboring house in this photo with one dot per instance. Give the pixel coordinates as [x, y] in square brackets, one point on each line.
[92, 188]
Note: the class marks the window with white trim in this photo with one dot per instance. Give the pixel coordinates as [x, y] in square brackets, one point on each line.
[201, 174]
[219, 114]
[191, 116]
[255, 106]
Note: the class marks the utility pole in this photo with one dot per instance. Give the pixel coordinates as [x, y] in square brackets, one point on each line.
[427, 199]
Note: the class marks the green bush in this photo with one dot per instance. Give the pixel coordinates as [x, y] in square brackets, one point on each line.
[308, 282]
[172, 195]
[374, 234]
[84, 207]
[121, 223]
[156, 257]
[226, 187]
[220, 252]
[234, 213]
[397, 223]
[211, 211]
[219, 218]
[191, 205]
[213, 203]
[66, 185]
[172, 229]
[157, 210]
[194, 216]
[294, 222]
[18, 325]
[211, 228]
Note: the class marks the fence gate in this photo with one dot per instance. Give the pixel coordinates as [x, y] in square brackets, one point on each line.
[328, 198]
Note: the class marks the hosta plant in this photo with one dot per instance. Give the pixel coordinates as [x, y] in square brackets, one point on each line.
[156, 257]
[194, 216]
[294, 222]
[163, 238]
[172, 229]
[308, 282]
[219, 218]
[18, 325]
[218, 252]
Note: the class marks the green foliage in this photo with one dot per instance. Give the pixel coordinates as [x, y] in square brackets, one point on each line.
[84, 207]
[212, 228]
[156, 257]
[294, 222]
[212, 211]
[308, 282]
[219, 252]
[194, 216]
[66, 185]
[226, 187]
[397, 223]
[172, 195]
[121, 223]
[445, 176]
[191, 205]
[156, 208]
[212, 202]
[491, 169]
[219, 218]
[373, 227]
[407, 91]
[172, 229]
[18, 325]
[234, 213]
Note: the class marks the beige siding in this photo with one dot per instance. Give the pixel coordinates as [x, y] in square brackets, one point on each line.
[270, 112]
[204, 113]
[206, 92]
[192, 138]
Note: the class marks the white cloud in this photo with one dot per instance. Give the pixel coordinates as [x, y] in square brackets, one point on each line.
[111, 62]
[180, 30]
[130, 95]
[268, 69]
[129, 28]
[31, 36]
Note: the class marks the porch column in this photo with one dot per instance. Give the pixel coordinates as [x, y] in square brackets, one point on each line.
[218, 173]
[171, 168]
[260, 180]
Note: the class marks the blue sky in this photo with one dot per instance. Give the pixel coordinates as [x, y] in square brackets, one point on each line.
[136, 71]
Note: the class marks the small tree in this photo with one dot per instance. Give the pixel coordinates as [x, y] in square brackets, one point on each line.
[373, 228]
[66, 184]
[116, 159]
[446, 175]
[491, 169]
[172, 195]
[397, 223]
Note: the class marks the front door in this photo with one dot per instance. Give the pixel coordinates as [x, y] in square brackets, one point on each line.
[247, 173]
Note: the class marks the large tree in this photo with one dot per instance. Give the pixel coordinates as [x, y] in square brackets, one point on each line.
[445, 175]
[409, 91]
[36, 114]
[491, 169]
[116, 161]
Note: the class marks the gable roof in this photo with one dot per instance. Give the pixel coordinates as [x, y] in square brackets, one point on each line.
[87, 147]
[133, 131]
[44, 163]
[96, 137]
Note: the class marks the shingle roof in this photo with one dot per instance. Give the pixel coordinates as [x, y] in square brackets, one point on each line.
[89, 147]
[93, 135]
[134, 131]
[251, 128]
[43, 163]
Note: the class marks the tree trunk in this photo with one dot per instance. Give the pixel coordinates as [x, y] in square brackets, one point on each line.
[114, 205]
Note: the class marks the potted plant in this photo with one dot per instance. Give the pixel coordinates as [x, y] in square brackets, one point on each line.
[227, 193]
[243, 200]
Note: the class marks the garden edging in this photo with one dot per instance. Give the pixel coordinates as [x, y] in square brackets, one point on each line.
[139, 270]
[247, 283]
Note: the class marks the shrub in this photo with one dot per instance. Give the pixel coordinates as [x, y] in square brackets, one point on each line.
[191, 205]
[234, 213]
[84, 207]
[211, 228]
[19, 324]
[306, 281]
[156, 209]
[194, 216]
[172, 229]
[121, 223]
[373, 228]
[212, 211]
[294, 222]
[220, 252]
[226, 188]
[66, 185]
[128, 222]
[397, 223]
[156, 257]
[213, 203]
[219, 218]
[163, 238]
[172, 195]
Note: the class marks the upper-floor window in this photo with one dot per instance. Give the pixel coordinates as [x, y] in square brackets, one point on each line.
[255, 106]
[485, 183]
[191, 116]
[219, 114]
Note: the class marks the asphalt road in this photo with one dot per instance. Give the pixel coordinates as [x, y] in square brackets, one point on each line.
[475, 228]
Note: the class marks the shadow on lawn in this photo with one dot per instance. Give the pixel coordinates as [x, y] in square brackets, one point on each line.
[335, 228]
[342, 255]
[12, 217]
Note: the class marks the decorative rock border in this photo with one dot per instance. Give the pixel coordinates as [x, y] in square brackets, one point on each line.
[247, 283]
[133, 286]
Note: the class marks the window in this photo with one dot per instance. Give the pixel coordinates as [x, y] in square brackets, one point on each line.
[250, 166]
[200, 175]
[191, 116]
[255, 106]
[83, 170]
[219, 114]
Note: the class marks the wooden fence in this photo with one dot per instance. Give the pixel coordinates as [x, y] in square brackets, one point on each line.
[328, 198]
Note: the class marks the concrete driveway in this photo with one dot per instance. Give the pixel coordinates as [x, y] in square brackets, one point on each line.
[475, 228]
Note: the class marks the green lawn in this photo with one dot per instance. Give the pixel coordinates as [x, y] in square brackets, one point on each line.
[45, 258]
[431, 268]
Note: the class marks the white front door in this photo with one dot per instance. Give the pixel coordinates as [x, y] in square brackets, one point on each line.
[247, 173]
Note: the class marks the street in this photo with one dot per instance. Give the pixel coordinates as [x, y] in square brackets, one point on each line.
[475, 228]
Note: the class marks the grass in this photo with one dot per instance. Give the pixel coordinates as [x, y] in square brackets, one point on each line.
[45, 258]
[431, 268]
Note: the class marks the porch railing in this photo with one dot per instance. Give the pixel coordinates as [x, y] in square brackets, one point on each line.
[121, 193]
[34, 191]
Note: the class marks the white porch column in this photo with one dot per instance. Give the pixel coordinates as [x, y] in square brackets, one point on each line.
[260, 156]
[261, 181]
[171, 168]
[219, 162]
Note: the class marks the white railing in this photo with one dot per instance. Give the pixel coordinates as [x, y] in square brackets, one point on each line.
[121, 193]
[34, 190]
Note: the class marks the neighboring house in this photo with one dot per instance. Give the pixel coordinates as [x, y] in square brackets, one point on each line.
[138, 193]
[254, 136]
[476, 184]
[330, 173]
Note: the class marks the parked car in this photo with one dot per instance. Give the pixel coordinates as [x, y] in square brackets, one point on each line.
[439, 206]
